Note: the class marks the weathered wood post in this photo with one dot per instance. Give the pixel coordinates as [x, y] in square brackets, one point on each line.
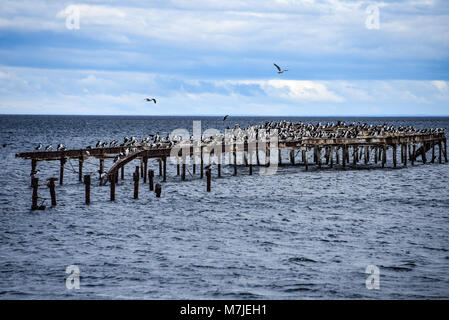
[145, 169]
[433, 152]
[439, 152]
[61, 170]
[234, 152]
[209, 178]
[331, 156]
[445, 149]
[136, 185]
[343, 155]
[151, 179]
[101, 171]
[177, 166]
[354, 155]
[33, 165]
[384, 155]
[183, 176]
[423, 153]
[122, 172]
[337, 155]
[141, 167]
[366, 154]
[219, 166]
[412, 154]
[292, 157]
[80, 168]
[87, 188]
[158, 190]
[250, 155]
[194, 165]
[201, 162]
[164, 178]
[160, 167]
[306, 160]
[51, 186]
[112, 181]
[394, 155]
[35, 185]
[405, 154]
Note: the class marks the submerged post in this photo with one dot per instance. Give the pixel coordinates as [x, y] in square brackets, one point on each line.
[87, 189]
[51, 186]
[158, 190]
[80, 168]
[136, 184]
[112, 181]
[151, 179]
[61, 170]
[208, 176]
[35, 185]
[164, 178]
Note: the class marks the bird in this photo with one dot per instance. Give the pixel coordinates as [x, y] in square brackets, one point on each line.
[38, 147]
[207, 167]
[225, 117]
[34, 172]
[150, 99]
[279, 69]
[49, 147]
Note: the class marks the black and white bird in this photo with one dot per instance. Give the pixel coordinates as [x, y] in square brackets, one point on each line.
[150, 99]
[279, 69]
[61, 147]
[98, 145]
[38, 147]
[34, 172]
[49, 147]
[225, 117]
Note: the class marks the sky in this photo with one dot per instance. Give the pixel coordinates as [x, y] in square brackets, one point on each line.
[215, 57]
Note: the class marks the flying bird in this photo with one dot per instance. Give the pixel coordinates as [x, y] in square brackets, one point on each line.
[150, 99]
[279, 69]
[225, 117]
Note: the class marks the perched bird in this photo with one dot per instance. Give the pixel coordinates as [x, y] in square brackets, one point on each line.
[279, 69]
[98, 145]
[225, 117]
[34, 172]
[61, 147]
[150, 99]
[38, 147]
[49, 147]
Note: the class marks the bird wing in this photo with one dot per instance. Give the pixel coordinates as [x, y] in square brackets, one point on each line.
[154, 101]
[279, 68]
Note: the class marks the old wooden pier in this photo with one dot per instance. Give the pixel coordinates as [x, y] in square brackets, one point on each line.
[392, 149]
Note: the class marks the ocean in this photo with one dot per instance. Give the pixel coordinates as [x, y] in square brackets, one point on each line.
[292, 235]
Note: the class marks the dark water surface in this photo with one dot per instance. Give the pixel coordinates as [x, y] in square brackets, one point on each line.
[293, 235]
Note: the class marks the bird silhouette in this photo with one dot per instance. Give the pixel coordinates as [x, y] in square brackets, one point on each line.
[225, 117]
[279, 69]
[150, 99]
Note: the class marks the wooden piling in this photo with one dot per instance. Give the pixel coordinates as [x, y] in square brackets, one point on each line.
[35, 185]
[433, 153]
[251, 163]
[439, 152]
[61, 170]
[384, 155]
[394, 155]
[183, 176]
[343, 155]
[177, 166]
[423, 153]
[292, 157]
[209, 178]
[145, 169]
[158, 190]
[201, 162]
[101, 168]
[164, 178]
[306, 160]
[112, 185]
[405, 154]
[80, 169]
[87, 188]
[445, 149]
[136, 184]
[160, 167]
[234, 152]
[412, 154]
[151, 179]
[122, 172]
[51, 186]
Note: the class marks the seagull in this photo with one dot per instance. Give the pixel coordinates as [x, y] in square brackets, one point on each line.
[34, 172]
[150, 99]
[279, 69]
[49, 147]
[225, 117]
[38, 147]
[61, 147]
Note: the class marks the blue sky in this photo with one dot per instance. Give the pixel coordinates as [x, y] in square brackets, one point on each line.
[216, 57]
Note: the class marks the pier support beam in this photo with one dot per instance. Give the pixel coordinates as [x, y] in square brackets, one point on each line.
[164, 178]
[151, 179]
[61, 170]
[122, 172]
[80, 169]
[292, 157]
[209, 179]
[35, 185]
[112, 180]
[394, 155]
[87, 189]
[101, 171]
[51, 186]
